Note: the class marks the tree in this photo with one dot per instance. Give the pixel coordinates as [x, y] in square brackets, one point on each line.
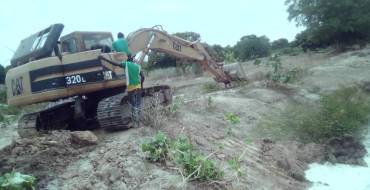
[331, 22]
[280, 44]
[2, 74]
[251, 46]
[189, 36]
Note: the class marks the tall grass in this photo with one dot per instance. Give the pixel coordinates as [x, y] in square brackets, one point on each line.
[344, 111]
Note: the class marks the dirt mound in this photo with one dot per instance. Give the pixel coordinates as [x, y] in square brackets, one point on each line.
[117, 163]
[42, 156]
[292, 157]
[345, 150]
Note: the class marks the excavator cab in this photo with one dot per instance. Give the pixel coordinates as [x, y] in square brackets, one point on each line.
[37, 46]
[84, 41]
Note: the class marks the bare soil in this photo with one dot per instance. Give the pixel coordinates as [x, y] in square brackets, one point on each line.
[117, 162]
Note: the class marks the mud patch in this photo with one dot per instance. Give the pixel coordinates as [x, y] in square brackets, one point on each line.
[42, 156]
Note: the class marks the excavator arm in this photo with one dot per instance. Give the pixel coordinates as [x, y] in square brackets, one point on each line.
[155, 39]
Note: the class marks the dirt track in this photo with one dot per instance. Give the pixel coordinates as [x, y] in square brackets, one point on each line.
[116, 162]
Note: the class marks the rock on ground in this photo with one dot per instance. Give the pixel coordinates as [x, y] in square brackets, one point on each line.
[84, 138]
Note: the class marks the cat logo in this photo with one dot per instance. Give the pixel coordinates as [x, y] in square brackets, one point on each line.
[17, 86]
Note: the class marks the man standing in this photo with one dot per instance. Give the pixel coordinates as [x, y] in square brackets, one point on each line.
[134, 83]
[121, 45]
[134, 80]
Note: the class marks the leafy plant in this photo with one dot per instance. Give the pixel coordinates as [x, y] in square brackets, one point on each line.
[17, 181]
[278, 73]
[156, 149]
[232, 118]
[194, 164]
[235, 165]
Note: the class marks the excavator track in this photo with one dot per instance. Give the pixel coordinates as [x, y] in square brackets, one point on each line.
[53, 116]
[27, 125]
[114, 112]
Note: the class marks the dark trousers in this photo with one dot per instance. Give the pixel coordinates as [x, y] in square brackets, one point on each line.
[134, 98]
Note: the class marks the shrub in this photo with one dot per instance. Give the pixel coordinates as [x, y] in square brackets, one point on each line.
[17, 181]
[193, 164]
[278, 73]
[341, 112]
[232, 118]
[156, 149]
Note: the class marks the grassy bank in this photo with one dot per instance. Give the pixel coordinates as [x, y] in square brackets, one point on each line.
[344, 111]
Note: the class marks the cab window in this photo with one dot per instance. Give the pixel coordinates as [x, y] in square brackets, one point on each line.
[69, 45]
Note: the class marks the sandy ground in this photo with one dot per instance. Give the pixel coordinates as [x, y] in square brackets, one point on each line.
[117, 162]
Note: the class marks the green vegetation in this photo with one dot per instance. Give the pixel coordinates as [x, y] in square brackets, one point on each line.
[194, 165]
[232, 118]
[278, 73]
[210, 87]
[157, 148]
[331, 22]
[341, 112]
[176, 104]
[235, 165]
[251, 47]
[7, 113]
[17, 181]
[280, 44]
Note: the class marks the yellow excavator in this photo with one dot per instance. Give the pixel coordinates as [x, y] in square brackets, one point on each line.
[85, 90]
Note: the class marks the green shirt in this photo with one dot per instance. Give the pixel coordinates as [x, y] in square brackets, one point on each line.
[121, 45]
[132, 71]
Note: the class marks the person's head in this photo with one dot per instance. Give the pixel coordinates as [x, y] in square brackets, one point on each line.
[120, 35]
[130, 58]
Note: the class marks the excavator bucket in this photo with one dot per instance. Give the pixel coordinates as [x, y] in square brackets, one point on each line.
[235, 72]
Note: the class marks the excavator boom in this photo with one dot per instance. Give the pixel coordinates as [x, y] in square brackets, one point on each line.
[155, 39]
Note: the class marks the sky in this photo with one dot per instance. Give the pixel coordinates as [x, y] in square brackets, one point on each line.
[221, 22]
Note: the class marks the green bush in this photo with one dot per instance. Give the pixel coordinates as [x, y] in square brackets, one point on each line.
[157, 149]
[232, 118]
[278, 73]
[194, 165]
[17, 181]
[344, 111]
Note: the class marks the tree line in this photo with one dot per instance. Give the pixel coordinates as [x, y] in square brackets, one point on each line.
[328, 23]
[336, 23]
